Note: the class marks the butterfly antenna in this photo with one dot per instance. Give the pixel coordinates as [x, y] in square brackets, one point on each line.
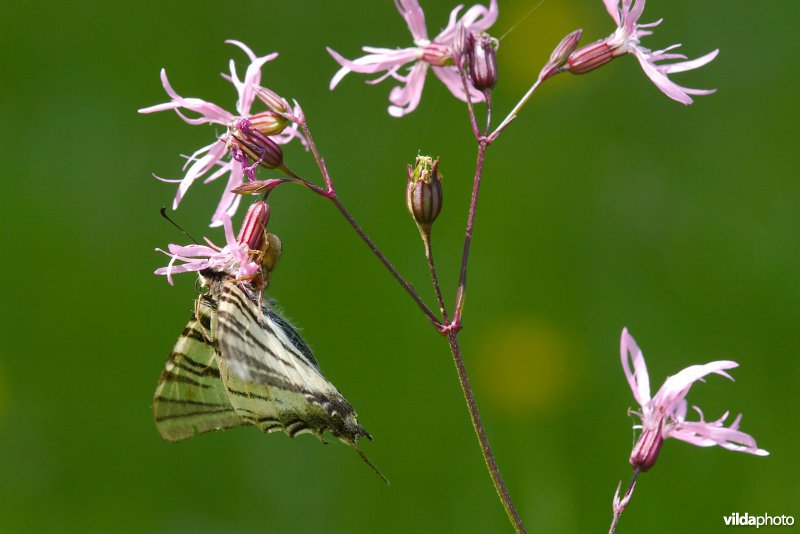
[371, 465]
[176, 225]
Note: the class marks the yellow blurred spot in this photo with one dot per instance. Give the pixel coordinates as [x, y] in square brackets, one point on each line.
[538, 33]
[527, 367]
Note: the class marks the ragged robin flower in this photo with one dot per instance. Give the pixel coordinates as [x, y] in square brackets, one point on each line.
[249, 256]
[210, 162]
[625, 40]
[435, 53]
[664, 415]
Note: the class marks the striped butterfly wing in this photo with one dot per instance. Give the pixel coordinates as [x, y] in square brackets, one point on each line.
[272, 378]
[190, 398]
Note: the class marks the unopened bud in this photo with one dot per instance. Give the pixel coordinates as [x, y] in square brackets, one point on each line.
[268, 123]
[424, 192]
[646, 450]
[245, 142]
[591, 57]
[264, 247]
[482, 53]
[560, 54]
[256, 187]
[254, 227]
[272, 100]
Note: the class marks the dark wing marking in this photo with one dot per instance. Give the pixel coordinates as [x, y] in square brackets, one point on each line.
[190, 397]
[271, 374]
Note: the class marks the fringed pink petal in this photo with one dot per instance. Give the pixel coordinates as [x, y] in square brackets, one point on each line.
[414, 17]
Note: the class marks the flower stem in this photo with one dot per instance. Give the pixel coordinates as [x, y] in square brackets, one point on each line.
[375, 250]
[426, 238]
[513, 113]
[473, 206]
[470, 108]
[620, 504]
[486, 449]
[330, 194]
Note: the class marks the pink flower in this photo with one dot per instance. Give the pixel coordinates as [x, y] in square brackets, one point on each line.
[234, 258]
[209, 161]
[425, 52]
[625, 40]
[664, 415]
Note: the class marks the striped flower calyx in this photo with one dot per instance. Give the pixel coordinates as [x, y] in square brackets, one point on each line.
[424, 192]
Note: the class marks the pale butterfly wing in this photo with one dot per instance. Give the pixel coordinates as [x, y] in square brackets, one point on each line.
[190, 397]
[272, 378]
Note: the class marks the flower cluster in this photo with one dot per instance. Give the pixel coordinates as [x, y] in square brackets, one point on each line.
[435, 53]
[210, 161]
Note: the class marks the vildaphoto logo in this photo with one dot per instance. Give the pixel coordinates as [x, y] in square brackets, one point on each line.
[764, 520]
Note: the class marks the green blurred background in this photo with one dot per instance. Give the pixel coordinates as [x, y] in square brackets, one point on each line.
[606, 204]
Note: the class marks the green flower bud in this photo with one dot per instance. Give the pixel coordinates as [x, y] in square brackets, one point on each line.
[424, 192]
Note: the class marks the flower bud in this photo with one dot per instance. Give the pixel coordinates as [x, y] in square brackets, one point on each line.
[264, 247]
[254, 228]
[268, 123]
[560, 54]
[272, 100]
[245, 143]
[256, 187]
[424, 192]
[646, 450]
[481, 50]
[591, 57]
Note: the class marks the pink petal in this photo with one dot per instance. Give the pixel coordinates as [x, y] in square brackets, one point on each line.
[208, 111]
[372, 63]
[476, 19]
[677, 387]
[198, 169]
[632, 15]
[612, 6]
[252, 77]
[229, 201]
[452, 80]
[668, 87]
[638, 379]
[406, 99]
[709, 434]
[689, 65]
[414, 17]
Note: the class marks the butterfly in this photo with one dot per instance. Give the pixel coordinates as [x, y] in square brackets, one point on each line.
[239, 362]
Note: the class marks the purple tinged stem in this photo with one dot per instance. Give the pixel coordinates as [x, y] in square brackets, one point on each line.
[487, 94]
[473, 206]
[621, 504]
[330, 194]
[426, 239]
[475, 130]
[375, 250]
[449, 328]
[486, 449]
[455, 324]
[513, 114]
